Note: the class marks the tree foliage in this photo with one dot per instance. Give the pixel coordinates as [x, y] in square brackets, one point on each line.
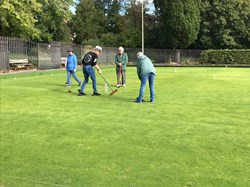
[179, 22]
[41, 20]
[17, 18]
[88, 22]
[225, 24]
[131, 27]
[104, 22]
[175, 24]
[52, 20]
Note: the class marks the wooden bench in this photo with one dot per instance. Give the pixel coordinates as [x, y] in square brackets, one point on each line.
[20, 63]
[63, 61]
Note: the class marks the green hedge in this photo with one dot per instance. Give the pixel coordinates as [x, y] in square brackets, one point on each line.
[226, 56]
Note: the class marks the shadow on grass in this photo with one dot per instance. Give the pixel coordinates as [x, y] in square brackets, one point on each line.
[118, 96]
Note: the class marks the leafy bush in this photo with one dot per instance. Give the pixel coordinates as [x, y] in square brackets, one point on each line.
[225, 56]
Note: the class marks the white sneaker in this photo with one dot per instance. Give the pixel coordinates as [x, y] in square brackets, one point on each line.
[118, 85]
[124, 85]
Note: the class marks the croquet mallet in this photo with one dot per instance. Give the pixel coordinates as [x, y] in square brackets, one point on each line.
[113, 91]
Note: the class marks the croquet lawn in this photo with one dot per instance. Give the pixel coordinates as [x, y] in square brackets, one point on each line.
[196, 133]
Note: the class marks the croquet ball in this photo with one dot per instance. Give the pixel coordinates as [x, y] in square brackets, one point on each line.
[69, 91]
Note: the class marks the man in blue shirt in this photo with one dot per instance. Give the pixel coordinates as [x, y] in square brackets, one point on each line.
[71, 65]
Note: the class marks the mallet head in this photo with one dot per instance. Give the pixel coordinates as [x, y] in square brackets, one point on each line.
[113, 92]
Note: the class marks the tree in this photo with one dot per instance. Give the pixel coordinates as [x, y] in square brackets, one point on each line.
[17, 18]
[40, 20]
[225, 24]
[112, 9]
[179, 22]
[52, 20]
[88, 22]
[131, 27]
[113, 16]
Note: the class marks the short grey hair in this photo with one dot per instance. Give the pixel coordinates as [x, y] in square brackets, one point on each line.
[139, 54]
[121, 48]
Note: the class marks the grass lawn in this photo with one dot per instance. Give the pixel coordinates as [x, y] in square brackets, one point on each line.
[197, 133]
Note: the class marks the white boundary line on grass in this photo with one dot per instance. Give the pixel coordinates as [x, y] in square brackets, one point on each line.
[29, 180]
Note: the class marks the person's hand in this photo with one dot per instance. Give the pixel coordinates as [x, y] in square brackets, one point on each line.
[99, 71]
[74, 70]
[120, 64]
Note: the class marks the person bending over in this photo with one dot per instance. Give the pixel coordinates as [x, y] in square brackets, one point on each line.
[145, 71]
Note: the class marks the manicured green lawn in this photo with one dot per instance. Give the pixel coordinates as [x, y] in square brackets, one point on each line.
[197, 133]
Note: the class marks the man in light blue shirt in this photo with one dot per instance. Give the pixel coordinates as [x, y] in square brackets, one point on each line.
[145, 71]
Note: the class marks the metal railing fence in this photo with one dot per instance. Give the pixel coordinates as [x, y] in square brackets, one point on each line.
[53, 55]
[4, 56]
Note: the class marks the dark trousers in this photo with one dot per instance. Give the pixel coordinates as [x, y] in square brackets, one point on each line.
[121, 77]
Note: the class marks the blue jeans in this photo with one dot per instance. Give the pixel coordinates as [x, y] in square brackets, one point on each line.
[69, 73]
[89, 71]
[150, 77]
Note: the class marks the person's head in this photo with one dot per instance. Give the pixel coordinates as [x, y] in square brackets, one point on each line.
[121, 50]
[139, 54]
[70, 51]
[98, 50]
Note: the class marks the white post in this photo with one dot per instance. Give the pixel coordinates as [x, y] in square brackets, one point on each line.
[142, 26]
[105, 87]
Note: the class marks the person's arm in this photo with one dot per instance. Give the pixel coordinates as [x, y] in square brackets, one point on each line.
[98, 69]
[75, 63]
[117, 62]
[125, 61]
[138, 66]
[66, 63]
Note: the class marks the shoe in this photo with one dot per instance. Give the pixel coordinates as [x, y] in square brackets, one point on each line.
[152, 101]
[124, 85]
[67, 85]
[79, 83]
[96, 94]
[118, 85]
[138, 100]
[81, 94]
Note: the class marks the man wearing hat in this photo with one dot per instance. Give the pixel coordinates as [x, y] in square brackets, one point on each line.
[71, 65]
[89, 61]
